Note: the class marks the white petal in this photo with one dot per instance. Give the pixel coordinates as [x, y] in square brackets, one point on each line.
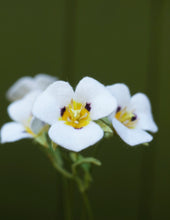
[48, 105]
[75, 139]
[36, 125]
[28, 84]
[21, 110]
[140, 104]
[121, 92]
[20, 88]
[131, 136]
[43, 80]
[93, 92]
[13, 131]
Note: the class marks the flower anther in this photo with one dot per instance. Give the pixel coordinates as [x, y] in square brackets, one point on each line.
[75, 115]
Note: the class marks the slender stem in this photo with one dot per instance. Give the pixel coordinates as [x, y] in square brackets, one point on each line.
[66, 199]
[87, 206]
[56, 159]
[63, 171]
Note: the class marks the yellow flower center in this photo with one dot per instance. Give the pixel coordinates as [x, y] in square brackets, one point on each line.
[127, 118]
[76, 114]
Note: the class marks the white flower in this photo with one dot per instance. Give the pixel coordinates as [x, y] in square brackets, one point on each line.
[24, 125]
[28, 84]
[133, 115]
[71, 114]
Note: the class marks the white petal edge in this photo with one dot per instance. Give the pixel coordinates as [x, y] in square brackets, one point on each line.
[43, 80]
[140, 103]
[21, 110]
[121, 93]
[20, 88]
[131, 136]
[13, 131]
[93, 92]
[48, 105]
[75, 139]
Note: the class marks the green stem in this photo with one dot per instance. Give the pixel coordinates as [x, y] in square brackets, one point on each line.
[56, 159]
[87, 206]
[64, 172]
[66, 199]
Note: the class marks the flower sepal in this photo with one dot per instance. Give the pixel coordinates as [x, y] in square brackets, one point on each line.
[146, 144]
[106, 127]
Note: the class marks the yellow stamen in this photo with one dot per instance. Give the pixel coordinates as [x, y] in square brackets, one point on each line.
[125, 117]
[76, 115]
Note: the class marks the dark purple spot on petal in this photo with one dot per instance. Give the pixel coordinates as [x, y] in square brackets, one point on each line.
[62, 111]
[118, 109]
[78, 128]
[88, 106]
[134, 117]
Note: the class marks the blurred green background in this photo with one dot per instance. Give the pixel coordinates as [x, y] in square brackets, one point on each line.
[112, 41]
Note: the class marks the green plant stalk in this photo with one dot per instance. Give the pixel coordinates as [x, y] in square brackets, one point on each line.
[87, 206]
[57, 159]
[57, 163]
[66, 199]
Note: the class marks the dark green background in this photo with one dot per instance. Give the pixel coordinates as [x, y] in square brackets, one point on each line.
[112, 41]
